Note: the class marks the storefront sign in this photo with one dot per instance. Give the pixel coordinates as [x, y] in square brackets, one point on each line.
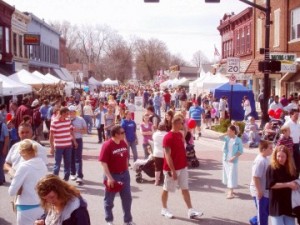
[32, 39]
[287, 61]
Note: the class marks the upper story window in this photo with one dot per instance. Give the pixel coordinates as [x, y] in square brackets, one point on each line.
[237, 42]
[295, 24]
[276, 27]
[248, 38]
[1, 39]
[7, 40]
[242, 40]
[259, 26]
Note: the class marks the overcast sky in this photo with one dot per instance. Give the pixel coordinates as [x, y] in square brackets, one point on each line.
[186, 26]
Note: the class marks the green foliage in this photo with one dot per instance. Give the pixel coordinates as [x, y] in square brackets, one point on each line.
[223, 126]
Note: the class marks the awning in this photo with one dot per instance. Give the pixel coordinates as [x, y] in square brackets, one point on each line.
[60, 74]
[68, 76]
[286, 77]
[244, 65]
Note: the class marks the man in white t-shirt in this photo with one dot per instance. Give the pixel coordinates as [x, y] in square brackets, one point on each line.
[13, 158]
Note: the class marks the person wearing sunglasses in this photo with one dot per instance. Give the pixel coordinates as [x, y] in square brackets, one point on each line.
[114, 160]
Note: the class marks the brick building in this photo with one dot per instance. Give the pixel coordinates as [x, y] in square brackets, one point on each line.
[284, 39]
[6, 56]
[237, 34]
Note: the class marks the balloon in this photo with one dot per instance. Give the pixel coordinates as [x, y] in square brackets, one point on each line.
[277, 115]
[213, 111]
[279, 111]
[191, 123]
[271, 112]
[8, 116]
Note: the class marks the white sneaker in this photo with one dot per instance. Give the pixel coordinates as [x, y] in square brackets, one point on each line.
[110, 223]
[79, 180]
[72, 177]
[192, 213]
[166, 213]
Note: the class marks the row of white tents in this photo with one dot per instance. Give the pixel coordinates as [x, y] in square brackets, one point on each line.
[205, 83]
[22, 82]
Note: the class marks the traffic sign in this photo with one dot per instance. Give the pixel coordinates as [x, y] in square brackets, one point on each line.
[232, 79]
[233, 65]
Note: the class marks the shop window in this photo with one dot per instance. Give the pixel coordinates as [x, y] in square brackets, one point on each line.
[20, 45]
[15, 44]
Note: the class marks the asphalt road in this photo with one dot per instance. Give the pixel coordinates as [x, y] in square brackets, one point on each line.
[207, 191]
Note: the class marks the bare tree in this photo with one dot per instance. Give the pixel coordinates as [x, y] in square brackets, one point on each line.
[199, 58]
[150, 56]
[69, 33]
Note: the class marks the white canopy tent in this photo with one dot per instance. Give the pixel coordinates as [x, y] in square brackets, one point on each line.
[41, 76]
[51, 77]
[110, 82]
[93, 81]
[69, 85]
[182, 82]
[169, 83]
[25, 77]
[12, 87]
[214, 81]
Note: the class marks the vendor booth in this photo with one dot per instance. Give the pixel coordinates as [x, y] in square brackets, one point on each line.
[10, 87]
[235, 94]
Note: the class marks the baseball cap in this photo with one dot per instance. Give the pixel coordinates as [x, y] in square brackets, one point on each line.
[72, 108]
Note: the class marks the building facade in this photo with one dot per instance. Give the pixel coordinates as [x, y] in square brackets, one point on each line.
[19, 28]
[284, 40]
[6, 56]
[237, 37]
[45, 56]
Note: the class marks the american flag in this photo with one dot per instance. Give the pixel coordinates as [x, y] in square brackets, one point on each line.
[216, 53]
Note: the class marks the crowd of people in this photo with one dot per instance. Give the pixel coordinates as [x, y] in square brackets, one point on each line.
[165, 130]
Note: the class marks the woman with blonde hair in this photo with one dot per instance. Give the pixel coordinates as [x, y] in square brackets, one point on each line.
[281, 175]
[24, 181]
[62, 203]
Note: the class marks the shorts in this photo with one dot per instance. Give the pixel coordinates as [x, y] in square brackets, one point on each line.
[181, 182]
[198, 123]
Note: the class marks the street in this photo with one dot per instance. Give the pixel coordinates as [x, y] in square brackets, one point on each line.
[207, 191]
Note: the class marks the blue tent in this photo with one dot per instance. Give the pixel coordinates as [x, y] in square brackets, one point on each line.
[235, 94]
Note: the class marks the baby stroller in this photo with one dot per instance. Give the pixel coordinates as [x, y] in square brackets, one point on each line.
[146, 166]
[190, 152]
[275, 134]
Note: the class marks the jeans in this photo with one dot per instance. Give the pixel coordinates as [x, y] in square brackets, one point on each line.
[125, 195]
[262, 206]
[157, 110]
[76, 160]
[132, 145]
[146, 150]
[58, 155]
[101, 133]
[167, 106]
[282, 220]
[2, 161]
[89, 122]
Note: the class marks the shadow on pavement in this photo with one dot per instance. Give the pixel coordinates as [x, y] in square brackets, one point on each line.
[210, 164]
[4, 222]
[217, 221]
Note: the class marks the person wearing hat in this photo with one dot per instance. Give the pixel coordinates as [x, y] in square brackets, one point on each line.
[79, 128]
